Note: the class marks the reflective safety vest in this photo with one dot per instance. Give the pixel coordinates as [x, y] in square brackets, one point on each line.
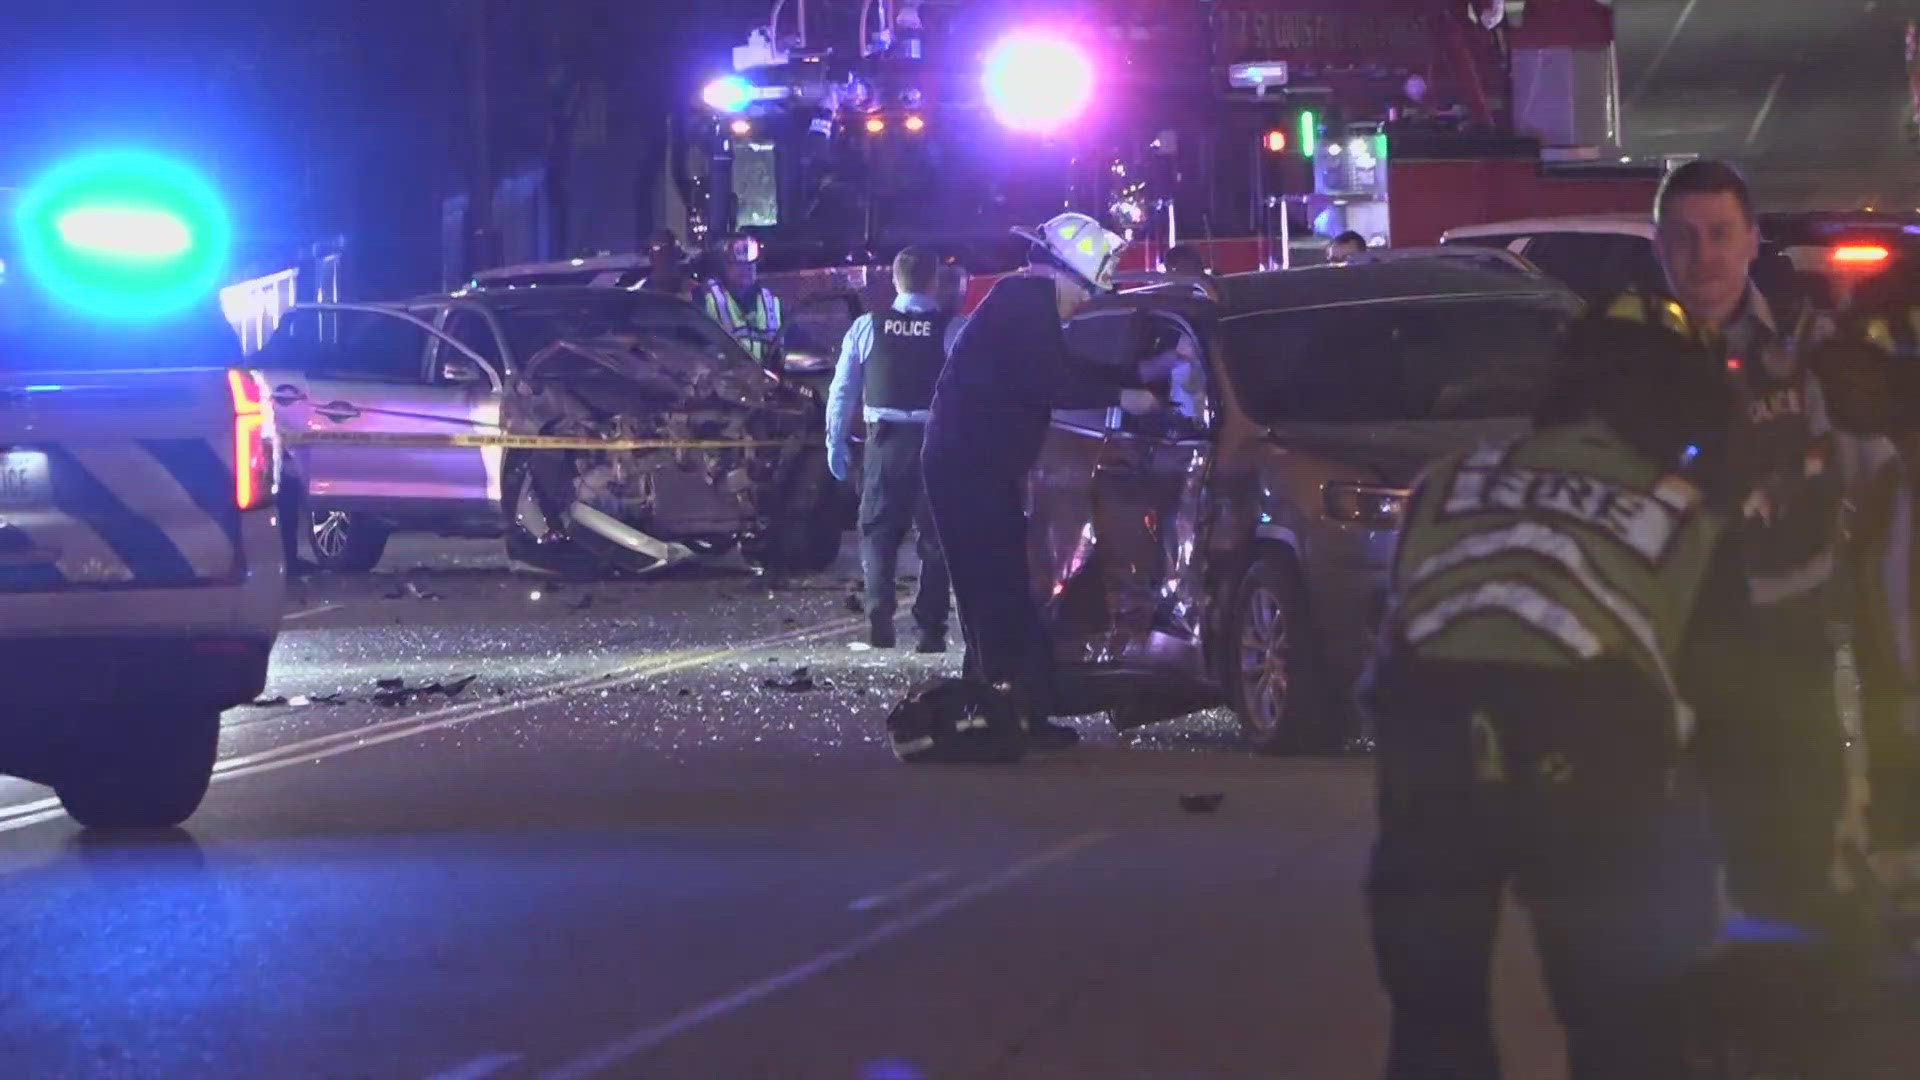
[755, 330]
[1556, 548]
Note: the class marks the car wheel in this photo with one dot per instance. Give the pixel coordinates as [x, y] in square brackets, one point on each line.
[1272, 670]
[805, 535]
[343, 541]
[148, 774]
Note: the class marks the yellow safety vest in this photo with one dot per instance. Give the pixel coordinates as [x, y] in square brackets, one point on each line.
[757, 330]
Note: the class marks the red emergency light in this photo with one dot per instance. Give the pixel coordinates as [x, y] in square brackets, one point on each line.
[1275, 141]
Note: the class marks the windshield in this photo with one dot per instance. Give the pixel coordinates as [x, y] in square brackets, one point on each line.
[651, 320]
[1440, 359]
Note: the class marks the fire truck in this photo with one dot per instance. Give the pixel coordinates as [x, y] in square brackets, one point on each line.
[850, 128]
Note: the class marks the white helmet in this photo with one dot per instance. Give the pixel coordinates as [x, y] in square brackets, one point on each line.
[1080, 244]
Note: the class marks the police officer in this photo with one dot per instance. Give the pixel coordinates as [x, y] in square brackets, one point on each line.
[738, 302]
[1529, 713]
[892, 360]
[1871, 372]
[1771, 737]
[991, 408]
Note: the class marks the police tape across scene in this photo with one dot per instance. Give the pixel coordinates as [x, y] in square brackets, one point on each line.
[521, 442]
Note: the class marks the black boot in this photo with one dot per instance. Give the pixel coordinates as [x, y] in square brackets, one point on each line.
[880, 633]
[932, 641]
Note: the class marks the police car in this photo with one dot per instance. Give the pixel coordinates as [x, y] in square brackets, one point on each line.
[141, 579]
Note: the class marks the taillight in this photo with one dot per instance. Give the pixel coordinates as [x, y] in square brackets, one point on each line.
[1859, 255]
[252, 441]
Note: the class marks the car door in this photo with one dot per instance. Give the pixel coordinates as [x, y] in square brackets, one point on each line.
[345, 378]
[1121, 521]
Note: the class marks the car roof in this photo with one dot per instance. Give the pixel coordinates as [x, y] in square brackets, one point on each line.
[509, 298]
[1328, 286]
[1625, 223]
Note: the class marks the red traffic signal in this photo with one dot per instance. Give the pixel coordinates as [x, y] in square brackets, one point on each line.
[1274, 141]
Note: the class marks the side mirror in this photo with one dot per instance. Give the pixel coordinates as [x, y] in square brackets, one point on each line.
[806, 362]
[461, 371]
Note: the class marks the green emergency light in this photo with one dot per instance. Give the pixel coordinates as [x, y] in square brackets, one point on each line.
[1309, 132]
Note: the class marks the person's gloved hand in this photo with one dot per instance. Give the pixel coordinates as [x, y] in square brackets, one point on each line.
[839, 460]
[1139, 402]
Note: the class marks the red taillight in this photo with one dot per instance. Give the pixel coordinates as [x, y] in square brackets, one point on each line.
[252, 451]
[1860, 254]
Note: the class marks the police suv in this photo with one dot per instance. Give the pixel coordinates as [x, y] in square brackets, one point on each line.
[141, 577]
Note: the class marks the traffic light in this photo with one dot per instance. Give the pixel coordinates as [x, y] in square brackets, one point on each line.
[1275, 141]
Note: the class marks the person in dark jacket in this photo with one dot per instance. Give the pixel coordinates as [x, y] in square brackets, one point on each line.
[1008, 370]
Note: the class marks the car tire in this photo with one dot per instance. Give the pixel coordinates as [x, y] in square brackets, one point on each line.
[1272, 672]
[348, 542]
[806, 531]
[149, 774]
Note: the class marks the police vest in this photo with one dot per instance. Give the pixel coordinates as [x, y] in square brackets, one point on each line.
[1554, 549]
[754, 329]
[909, 349]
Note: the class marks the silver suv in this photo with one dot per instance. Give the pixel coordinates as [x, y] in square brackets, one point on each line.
[356, 386]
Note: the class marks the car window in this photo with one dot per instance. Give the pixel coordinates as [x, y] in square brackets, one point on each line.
[1597, 264]
[1104, 340]
[1439, 359]
[470, 328]
[824, 319]
[1179, 376]
[370, 346]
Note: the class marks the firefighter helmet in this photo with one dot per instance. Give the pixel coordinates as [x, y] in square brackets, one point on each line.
[1079, 245]
[739, 248]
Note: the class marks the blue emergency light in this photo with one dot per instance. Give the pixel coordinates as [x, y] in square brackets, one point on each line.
[122, 235]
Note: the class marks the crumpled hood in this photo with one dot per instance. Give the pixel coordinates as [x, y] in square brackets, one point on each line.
[665, 372]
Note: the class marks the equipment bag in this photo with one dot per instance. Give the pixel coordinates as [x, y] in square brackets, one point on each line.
[957, 720]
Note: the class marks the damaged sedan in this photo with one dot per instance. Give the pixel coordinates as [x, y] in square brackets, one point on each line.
[1234, 549]
[599, 431]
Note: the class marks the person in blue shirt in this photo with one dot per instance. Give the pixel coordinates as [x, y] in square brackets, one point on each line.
[892, 359]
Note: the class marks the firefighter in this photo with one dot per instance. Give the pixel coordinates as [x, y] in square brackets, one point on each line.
[667, 267]
[1771, 739]
[737, 301]
[892, 361]
[1871, 369]
[993, 403]
[1530, 720]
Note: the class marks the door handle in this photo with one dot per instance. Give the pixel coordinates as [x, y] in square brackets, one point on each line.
[338, 411]
[287, 394]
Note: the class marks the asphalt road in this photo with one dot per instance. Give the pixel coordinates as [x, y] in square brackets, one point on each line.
[616, 853]
[1809, 94]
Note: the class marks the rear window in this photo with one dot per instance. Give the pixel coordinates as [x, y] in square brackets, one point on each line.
[39, 337]
[1441, 359]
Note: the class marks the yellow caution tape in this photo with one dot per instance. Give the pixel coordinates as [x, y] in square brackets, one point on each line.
[421, 441]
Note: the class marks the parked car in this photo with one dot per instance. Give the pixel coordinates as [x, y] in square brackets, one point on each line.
[1814, 256]
[1236, 550]
[356, 385]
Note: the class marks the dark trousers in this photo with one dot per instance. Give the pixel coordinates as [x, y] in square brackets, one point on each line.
[1567, 786]
[979, 509]
[893, 500]
[1773, 752]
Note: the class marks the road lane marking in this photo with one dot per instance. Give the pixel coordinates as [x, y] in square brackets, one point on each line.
[1766, 106]
[917, 883]
[651, 1036]
[321, 609]
[481, 1067]
[322, 747]
[1661, 56]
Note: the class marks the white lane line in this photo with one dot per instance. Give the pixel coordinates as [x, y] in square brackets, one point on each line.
[1760, 118]
[1661, 56]
[322, 747]
[308, 613]
[647, 1038]
[481, 1067]
[918, 883]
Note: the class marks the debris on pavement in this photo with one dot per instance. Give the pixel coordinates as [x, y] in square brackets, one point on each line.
[800, 681]
[267, 703]
[399, 693]
[1202, 803]
[411, 589]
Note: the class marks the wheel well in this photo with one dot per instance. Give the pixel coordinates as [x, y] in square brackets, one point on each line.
[1227, 589]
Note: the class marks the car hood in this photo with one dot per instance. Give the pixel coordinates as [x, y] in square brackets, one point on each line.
[1395, 451]
[665, 373]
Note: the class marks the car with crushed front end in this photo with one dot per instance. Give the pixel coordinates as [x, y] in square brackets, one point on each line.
[405, 417]
[1234, 549]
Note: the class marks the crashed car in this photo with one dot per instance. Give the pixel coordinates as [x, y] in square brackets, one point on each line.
[1235, 548]
[404, 416]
